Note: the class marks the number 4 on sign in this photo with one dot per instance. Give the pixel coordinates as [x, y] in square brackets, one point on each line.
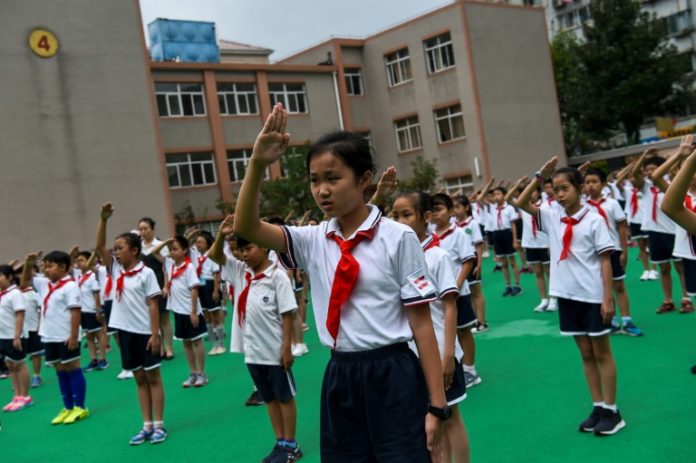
[43, 43]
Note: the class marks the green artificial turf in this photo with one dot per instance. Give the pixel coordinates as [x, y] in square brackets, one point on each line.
[527, 409]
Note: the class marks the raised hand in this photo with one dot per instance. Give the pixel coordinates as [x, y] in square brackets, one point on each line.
[585, 165]
[548, 169]
[107, 211]
[686, 146]
[227, 225]
[387, 182]
[272, 141]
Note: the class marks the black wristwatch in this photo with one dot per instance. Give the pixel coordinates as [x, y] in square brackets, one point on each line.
[444, 413]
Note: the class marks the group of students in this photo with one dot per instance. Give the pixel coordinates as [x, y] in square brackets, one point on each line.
[397, 300]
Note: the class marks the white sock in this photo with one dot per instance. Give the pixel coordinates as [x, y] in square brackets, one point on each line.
[544, 301]
[610, 407]
[470, 369]
[147, 425]
[598, 404]
[158, 424]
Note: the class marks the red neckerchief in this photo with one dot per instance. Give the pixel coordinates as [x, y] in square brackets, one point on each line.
[500, 217]
[466, 222]
[11, 288]
[655, 192]
[244, 295]
[434, 242]
[201, 261]
[447, 233]
[109, 284]
[598, 205]
[84, 278]
[568, 234]
[178, 271]
[121, 278]
[634, 202]
[53, 288]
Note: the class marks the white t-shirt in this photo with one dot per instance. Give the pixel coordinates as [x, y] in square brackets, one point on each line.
[615, 215]
[472, 230]
[651, 206]
[502, 217]
[103, 277]
[392, 277]
[88, 287]
[634, 201]
[532, 238]
[179, 300]
[130, 312]
[11, 302]
[460, 250]
[148, 248]
[208, 267]
[32, 316]
[684, 242]
[56, 316]
[579, 276]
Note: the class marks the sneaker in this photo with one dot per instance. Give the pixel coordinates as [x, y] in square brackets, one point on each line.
[286, 455]
[191, 381]
[305, 327]
[91, 366]
[486, 254]
[645, 276]
[516, 291]
[591, 422]
[158, 436]
[666, 307]
[221, 349]
[631, 329]
[4, 374]
[298, 350]
[686, 306]
[76, 414]
[201, 380]
[471, 380]
[102, 365]
[615, 329]
[610, 423]
[507, 292]
[542, 305]
[277, 452]
[498, 268]
[125, 374]
[143, 436]
[36, 381]
[254, 400]
[61, 416]
[294, 454]
[214, 351]
[653, 275]
[553, 305]
[480, 328]
[22, 402]
[10, 406]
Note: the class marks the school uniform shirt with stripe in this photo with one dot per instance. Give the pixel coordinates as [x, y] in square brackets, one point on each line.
[629, 191]
[103, 277]
[56, 317]
[392, 277]
[472, 230]
[208, 267]
[32, 316]
[460, 250]
[131, 312]
[179, 299]
[684, 242]
[662, 223]
[88, 287]
[615, 215]
[532, 237]
[11, 303]
[502, 217]
[260, 336]
[579, 276]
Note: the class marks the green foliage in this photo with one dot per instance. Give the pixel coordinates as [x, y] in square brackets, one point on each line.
[425, 175]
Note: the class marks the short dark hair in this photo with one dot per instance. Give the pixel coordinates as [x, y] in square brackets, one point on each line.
[148, 221]
[502, 189]
[351, 148]
[8, 271]
[572, 175]
[441, 199]
[422, 202]
[656, 161]
[597, 172]
[132, 240]
[59, 258]
[85, 254]
[182, 241]
[207, 236]
[241, 242]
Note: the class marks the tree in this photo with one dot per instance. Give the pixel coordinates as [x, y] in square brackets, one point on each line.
[624, 71]
[424, 177]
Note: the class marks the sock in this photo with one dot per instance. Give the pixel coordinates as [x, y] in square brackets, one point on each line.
[611, 407]
[598, 404]
[470, 369]
[544, 301]
[65, 390]
[615, 322]
[221, 332]
[290, 443]
[626, 320]
[78, 386]
[147, 425]
[158, 424]
[211, 334]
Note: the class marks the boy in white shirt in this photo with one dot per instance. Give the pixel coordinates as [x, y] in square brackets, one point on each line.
[91, 315]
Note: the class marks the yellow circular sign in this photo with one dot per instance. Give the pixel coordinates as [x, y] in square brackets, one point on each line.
[43, 43]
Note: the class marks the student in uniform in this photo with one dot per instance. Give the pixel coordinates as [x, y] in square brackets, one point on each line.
[13, 338]
[265, 307]
[580, 246]
[181, 291]
[370, 293]
[210, 292]
[91, 315]
[673, 203]
[635, 205]
[60, 330]
[454, 241]
[612, 213]
[32, 315]
[414, 210]
[135, 314]
[504, 230]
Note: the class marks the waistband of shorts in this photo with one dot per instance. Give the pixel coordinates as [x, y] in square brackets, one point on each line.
[389, 351]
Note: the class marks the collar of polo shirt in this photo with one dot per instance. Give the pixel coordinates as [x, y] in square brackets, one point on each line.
[580, 214]
[372, 220]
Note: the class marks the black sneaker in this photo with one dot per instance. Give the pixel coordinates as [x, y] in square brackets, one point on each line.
[291, 455]
[591, 422]
[507, 292]
[516, 291]
[498, 268]
[277, 453]
[254, 400]
[693, 369]
[610, 423]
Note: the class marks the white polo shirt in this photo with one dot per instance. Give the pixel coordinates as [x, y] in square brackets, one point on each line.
[148, 248]
[460, 250]
[502, 217]
[11, 302]
[179, 300]
[208, 267]
[32, 315]
[103, 277]
[531, 238]
[579, 276]
[56, 315]
[131, 312]
[392, 277]
[260, 337]
[88, 285]
[472, 230]
[615, 215]
[662, 223]
[684, 242]
[628, 208]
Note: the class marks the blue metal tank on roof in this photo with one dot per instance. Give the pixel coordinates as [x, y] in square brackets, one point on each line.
[185, 41]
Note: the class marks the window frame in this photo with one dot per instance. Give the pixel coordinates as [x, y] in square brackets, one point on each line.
[449, 118]
[237, 94]
[179, 96]
[400, 64]
[410, 129]
[459, 184]
[286, 94]
[436, 53]
[232, 163]
[350, 75]
[188, 165]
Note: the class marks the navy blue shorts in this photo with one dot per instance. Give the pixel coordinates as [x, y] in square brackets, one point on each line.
[690, 276]
[473, 279]
[34, 344]
[502, 243]
[466, 317]
[107, 316]
[184, 329]
[135, 353]
[637, 232]
[617, 271]
[9, 353]
[89, 322]
[273, 382]
[537, 255]
[661, 246]
[59, 352]
[373, 407]
[518, 229]
[205, 294]
[581, 318]
[457, 391]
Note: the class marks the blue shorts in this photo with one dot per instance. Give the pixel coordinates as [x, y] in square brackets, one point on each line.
[581, 318]
[617, 271]
[537, 255]
[135, 354]
[205, 293]
[89, 322]
[466, 317]
[661, 246]
[34, 344]
[184, 329]
[637, 232]
[107, 316]
[273, 382]
[690, 276]
[502, 243]
[457, 391]
[59, 352]
[9, 353]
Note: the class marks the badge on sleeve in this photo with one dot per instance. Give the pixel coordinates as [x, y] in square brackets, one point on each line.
[421, 283]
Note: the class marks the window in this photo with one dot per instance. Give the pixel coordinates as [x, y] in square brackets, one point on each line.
[293, 97]
[237, 99]
[237, 161]
[354, 82]
[190, 169]
[439, 53]
[180, 99]
[211, 227]
[398, 67]
[408, 135]
[679, 23]
[450, 123]
[465, 182]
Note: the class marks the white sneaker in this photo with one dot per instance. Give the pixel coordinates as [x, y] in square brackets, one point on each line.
[125, 374]
[653, 275]
[298, 350]
[645, 276]
[553, 305]
[542, 305]
[221, 350]
[486, 254]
